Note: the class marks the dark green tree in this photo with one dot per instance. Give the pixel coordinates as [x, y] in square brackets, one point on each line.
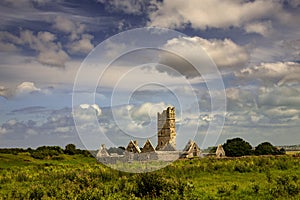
[212, 149]
[237, 147]
[46, 152]
[70, 149]
[116, 150]
[267, 148]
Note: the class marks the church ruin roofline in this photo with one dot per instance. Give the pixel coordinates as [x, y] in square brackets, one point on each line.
[148, 147]
[132, 147]
[220, 151]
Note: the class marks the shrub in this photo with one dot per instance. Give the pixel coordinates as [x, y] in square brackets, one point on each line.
[267, 148]
[285, 186]
[149, 184]
[255, 188]
[36, 194]
[70, 149]
[224, 190]
[46, 152]
[237, 147]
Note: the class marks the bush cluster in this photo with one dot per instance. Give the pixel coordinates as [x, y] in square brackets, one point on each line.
[237, 147]
[47, 152]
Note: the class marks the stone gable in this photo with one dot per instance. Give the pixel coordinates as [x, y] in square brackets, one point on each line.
[133, 147]
[148, 147]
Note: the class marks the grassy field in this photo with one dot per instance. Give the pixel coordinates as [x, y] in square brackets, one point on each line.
[80, 177]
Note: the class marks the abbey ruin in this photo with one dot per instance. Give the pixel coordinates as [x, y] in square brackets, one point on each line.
[165, 149]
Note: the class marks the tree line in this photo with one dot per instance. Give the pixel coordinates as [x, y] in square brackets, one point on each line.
[233, 148]
[237, 147]
[47, 152]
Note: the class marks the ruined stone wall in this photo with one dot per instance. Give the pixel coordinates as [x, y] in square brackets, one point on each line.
[167, 156]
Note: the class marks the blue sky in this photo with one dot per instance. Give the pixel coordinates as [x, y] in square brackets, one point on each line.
[255, 46]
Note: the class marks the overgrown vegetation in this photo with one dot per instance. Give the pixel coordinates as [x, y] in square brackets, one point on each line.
[237, 147]
[47, 152]
[81, 177]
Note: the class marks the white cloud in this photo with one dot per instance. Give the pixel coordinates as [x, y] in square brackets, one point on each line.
[225, 53]
[4, 92]
[94, 106]
[69, 26]
[3, 131]
[279, 73]
[291, 49]
[49, 51]
[83, 45]
[86, 113]
[134, 120]
[27, 87]
[8, 47]
[147, 111]
[21, 89]
[8, 42]
[279, 96]
[79, 41]
[214, 13]
[263, 28]
[112, 49]
[135, 7]
[283, 112]
[53, 58]
[240, 99]
[64, 24]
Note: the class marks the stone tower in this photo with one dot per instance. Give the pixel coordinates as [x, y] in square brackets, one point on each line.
[166, 129]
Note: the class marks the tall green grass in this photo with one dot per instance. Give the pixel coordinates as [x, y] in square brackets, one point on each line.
[79, 177]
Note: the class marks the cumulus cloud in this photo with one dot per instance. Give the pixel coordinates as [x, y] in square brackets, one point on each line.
[83, 45]
[147, 111]
[214, 13]
[79, 41]
[5, 92]
[133, 120]
[57, 123]
[279, 73]
[93, 106]
[263, 28]
[140, 114]
[225, 53]
[53, 58]
[49, 50]
[240, 99]
[69, 26]
[113, 49]
[26, 87]
[291, 49]
[7, 47]
[135, 7]
[279, 96]
[283, 112]
[17, 129]
[263, 106]
[86, 113]
[8, 42]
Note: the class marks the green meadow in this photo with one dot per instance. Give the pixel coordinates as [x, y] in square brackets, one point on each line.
[81, 177]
